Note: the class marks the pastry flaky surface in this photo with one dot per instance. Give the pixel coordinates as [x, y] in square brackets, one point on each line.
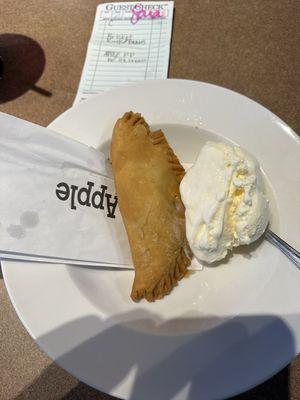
[147, 175]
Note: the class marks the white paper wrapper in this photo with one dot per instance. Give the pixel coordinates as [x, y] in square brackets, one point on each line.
[56, 200]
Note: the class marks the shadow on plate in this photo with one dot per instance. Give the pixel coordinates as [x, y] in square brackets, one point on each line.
[168, 366]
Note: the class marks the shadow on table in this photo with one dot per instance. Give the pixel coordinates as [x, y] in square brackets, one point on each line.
[135, 341]
[23, 62]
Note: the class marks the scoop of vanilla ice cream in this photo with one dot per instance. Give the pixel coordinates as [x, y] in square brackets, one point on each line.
[225, 203]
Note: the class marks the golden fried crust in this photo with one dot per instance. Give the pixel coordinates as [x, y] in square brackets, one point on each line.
[147, 175]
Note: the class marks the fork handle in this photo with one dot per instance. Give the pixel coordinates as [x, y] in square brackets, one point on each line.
[288, 250]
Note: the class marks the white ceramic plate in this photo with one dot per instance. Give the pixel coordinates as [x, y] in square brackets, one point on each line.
[222, 330]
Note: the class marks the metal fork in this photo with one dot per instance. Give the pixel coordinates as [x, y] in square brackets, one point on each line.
[288, 250]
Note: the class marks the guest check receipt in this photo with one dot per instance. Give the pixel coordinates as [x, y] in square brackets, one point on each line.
[130, 42]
